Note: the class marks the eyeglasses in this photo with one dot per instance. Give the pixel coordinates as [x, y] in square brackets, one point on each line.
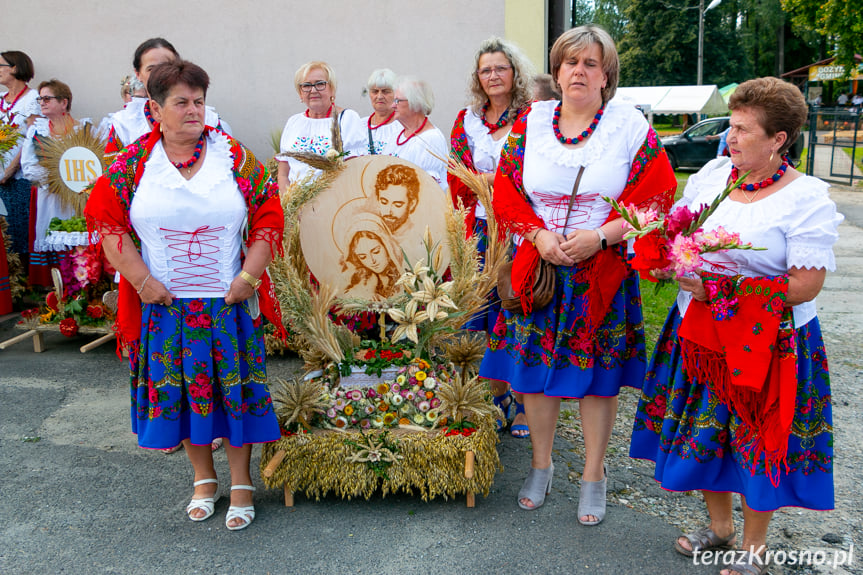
[320, 86]
[398, 101]
[499, 70]
[6, 66]
[41, 99]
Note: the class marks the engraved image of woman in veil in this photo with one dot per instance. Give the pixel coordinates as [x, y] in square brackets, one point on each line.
[369, 254]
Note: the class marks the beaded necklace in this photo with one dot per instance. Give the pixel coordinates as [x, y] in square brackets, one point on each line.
[501, 122]
[329, 111]
[199, 147]
[148, 114]
[418, 130]
[758, 186]
[555, 124]
[384, 123]
[6, 109]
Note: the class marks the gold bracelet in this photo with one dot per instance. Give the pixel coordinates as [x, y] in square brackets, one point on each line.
[250, 279]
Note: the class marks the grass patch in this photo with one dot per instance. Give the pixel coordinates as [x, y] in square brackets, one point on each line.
[655, 308]
[858, 156]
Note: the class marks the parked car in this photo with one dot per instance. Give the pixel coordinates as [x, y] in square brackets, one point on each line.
[692, 149]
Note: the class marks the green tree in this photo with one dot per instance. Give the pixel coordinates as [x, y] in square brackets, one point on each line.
[611, 15]
[838, 20]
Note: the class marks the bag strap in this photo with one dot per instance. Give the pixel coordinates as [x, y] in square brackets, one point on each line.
[371, 143]
[572, 197]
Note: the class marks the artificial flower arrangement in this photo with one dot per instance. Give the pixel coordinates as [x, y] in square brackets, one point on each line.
[76, 300]
[673, 243]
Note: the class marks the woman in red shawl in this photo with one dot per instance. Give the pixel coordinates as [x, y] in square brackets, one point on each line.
[193, 201]
[589, 341]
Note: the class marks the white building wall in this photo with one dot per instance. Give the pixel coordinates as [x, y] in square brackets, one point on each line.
[251, 49]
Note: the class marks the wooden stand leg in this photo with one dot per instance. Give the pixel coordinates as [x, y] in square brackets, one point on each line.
[38, 342]
[274, 463]
[97, 342]
[289, 497]
[469, 459]
[21, 337]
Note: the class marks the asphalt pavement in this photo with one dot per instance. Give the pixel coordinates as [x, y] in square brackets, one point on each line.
[79, 496]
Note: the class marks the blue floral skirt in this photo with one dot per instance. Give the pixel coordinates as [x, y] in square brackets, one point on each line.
[199, 373]
[548, 351]
[484, 320]
[688, 433]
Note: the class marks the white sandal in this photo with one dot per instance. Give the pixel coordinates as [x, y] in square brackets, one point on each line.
[208, 504]
[247, 514]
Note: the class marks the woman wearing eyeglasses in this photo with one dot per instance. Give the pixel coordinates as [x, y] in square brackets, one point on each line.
[311, 131]
[500, 89]
[55, 101]
[18, 108]
[419, 141]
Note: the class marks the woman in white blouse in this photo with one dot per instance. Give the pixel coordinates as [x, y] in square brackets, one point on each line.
[136, 117]
[18, 108]
[381, 125]
[207, 218]
[418, 139]
[500, 89]
[55, 100]
[311, 131]
[588, 341]
[748, 410]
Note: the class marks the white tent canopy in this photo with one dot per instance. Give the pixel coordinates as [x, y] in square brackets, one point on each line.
[675, 99]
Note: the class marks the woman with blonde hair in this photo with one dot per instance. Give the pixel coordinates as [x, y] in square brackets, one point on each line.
[311, 130]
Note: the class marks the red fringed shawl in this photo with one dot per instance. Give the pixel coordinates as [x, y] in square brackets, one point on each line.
[741, 344]
[107, 213]
[457, 188]
[651, 182]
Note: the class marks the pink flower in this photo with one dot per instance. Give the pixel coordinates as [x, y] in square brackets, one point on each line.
[205, 321]
[685, 254]
[202, 379]
[678, 220]
[196, 306]
[355, 395]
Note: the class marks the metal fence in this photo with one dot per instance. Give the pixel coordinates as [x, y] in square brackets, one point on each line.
[835, 134]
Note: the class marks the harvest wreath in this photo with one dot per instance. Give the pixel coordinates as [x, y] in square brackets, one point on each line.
[417, 420]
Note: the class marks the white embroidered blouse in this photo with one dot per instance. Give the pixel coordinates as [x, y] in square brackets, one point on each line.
[798, 225]
[191, 230]
[550, 169]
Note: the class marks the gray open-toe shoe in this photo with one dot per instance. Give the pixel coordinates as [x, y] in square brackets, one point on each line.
[591, 500]
[536, 487]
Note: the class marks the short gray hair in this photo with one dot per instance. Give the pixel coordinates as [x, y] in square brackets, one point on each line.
[418, 94]
[382, 78]
[522, 79]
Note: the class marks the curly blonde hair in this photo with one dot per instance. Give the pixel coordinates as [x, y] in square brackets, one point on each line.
[522, 80]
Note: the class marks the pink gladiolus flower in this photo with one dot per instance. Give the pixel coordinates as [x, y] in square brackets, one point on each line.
[685, 254]
[646, 217]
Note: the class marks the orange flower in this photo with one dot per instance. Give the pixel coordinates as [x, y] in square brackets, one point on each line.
[404, 421]
[429, 394]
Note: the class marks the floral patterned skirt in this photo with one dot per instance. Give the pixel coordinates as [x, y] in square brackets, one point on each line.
[688, 433]
[484, 320]
[199, 373]
[548, 351]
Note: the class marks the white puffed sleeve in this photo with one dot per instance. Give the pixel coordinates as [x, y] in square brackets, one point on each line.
[812, 228]
[703, 182]
[355, 139]
[29, 162]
